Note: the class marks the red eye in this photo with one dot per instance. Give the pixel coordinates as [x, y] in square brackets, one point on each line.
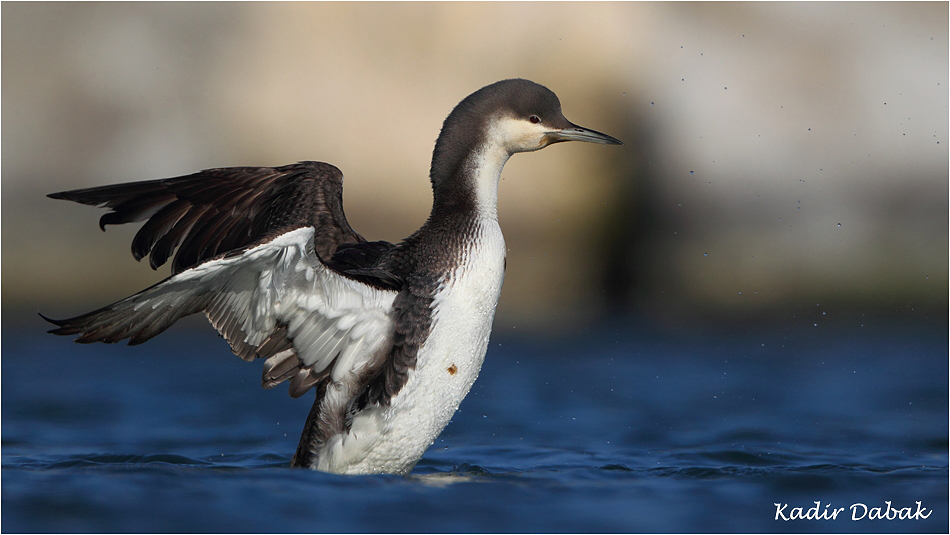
[534, 119]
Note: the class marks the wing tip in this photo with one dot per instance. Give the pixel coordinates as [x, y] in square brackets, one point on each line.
[58, 323]
[84, 333]
[64, 329]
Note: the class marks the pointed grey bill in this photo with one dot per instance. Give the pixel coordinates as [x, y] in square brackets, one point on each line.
[579, 133]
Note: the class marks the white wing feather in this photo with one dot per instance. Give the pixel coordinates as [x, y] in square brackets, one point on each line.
[276, 300]
[327, 315]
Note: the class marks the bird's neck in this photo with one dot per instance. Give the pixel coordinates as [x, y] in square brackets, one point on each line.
[465, 182]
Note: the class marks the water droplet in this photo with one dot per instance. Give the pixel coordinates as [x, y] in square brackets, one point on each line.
[707, 254]
[839, 225]
[692, 173]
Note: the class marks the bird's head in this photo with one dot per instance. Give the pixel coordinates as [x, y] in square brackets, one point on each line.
[527, 117]
[490, 125]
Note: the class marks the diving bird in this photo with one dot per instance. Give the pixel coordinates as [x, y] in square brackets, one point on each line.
[390, 337]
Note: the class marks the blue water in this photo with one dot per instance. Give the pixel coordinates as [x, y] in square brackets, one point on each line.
[622, 429]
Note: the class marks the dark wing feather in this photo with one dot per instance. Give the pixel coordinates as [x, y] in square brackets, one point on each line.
[222, 210]
[123, 319]
[360, 261]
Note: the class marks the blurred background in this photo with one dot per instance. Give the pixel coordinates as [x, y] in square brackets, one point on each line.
[782, 161]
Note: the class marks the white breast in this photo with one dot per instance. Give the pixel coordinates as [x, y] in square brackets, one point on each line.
[392, 439]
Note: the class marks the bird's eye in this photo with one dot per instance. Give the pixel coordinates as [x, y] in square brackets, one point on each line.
[534, 119]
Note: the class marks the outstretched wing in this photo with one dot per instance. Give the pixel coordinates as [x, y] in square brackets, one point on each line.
[221, 210]
[256, 249]
[275, 300]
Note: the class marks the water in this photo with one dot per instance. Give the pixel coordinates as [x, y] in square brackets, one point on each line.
[619, 430]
